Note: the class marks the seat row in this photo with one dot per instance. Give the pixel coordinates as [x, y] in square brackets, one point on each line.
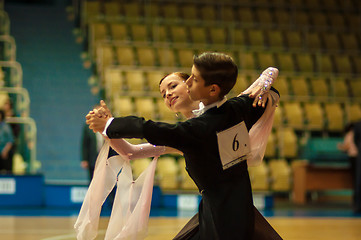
[268, 13]
[223, 36]
[171, 174]
[182, 57]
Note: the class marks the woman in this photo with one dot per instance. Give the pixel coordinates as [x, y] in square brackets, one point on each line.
[174, 92]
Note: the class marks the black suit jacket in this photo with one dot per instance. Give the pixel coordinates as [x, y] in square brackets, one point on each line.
[226, 209]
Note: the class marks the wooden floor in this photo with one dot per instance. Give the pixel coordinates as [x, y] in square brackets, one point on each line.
[290, 228]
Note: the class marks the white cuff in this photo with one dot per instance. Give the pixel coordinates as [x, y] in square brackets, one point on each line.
[106, 127]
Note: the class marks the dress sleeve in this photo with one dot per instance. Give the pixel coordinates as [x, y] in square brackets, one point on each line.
[133, 151]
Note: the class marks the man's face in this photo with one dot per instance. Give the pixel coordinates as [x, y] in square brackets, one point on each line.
[195, 84]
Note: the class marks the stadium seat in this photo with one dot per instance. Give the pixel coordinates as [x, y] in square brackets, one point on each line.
[164, 113]
[294, 40]
[139, 165]
[256, 38]
[319, 87]
[339, 87]
[299, 86]
[151, 10]
[343, 64]
[198, 35]
[293, 113]
[264, 16]
[159, 33]
[146, 56]
[166, 57]
[186, 181]
[305, 62]
[132, 9]
[113, 82]
[314, 116]
[331, 41]
[246, 15]
[278, 118]
[353, 112]
[104, 57]
[275, 39]
[119, 31]
[355, 86]
[189, 11]
[287, 142]
[318, 19]
[280, 175]
[247, 61]
[271, 146]
[286, 62]
[144, 107]
[282, 85]
[218, 35]
[334, 116]
[112, 9]
[312, 41]
[349, 42]
[97, 32]
[185, 57]
[237, 37]
[153, 79]
[282, 17]
[337, 20]
[123, 106]
[125, 55]
[227, 14]
[259, 176]
[301, 19]
[167, 173]
[208, 12]
[241, 85]
[179, 34]
[134, 80]
[357, 64]
[266, 59]
[139, 32]
[324, 63]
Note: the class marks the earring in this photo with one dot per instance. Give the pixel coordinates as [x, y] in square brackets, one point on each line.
[177, 115]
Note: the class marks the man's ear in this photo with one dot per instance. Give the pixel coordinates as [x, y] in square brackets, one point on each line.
[214, 90]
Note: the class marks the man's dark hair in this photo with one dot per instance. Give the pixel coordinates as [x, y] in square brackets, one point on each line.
[217, 68]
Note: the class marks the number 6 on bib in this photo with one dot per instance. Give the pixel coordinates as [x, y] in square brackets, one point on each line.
[233, 144]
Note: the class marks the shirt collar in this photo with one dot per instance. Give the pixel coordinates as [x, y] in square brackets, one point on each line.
[203, 108]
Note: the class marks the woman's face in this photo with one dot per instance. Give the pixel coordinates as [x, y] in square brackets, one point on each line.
[174, 92]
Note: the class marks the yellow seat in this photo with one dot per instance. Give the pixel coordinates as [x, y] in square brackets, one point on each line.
[275, 39]
[259, 176]
[139, 32]
[301, 19]
[334, 116]
[165, 114]
[286, 63]
[112, 9]
[319, 87]
[319, 19]
[280, 174]
[208, 12]
[167, 173]
[331, 41]
[123, 106]
[134, 80]
[349, 41]
[256, 38]
[264, 15]
[293, 113]
[146, 56]
[266, 60]
[355, 85]
[343, 64]
[287, 142]
[167, 57]
[119, 31]
[247, 60]
[185, 57]
[170, 10]
[189, 11]
[241, 85]
[151, 10]
[238, 37]
[186, 182]
[278, 118]
[198, 35]
[339, 87]
[313, 41]
[353, 112]
[357, 63]
[125, 55]
[105, 57]
[337, 20]
[153, 79]
[324, 63]
[299, 86]
[131, 9]
[139, 165]
[245, 15]
[227, 14]
[282, 17]
[314, 116]
[294, 40]
[305, 62]
[97, 32]
[145, 107]
[113, 82]
[271, 146]
[282, 85]
[217, 35]
[179, 34]
[159, 33]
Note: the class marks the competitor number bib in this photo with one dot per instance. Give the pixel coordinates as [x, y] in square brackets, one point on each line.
[233, 144]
